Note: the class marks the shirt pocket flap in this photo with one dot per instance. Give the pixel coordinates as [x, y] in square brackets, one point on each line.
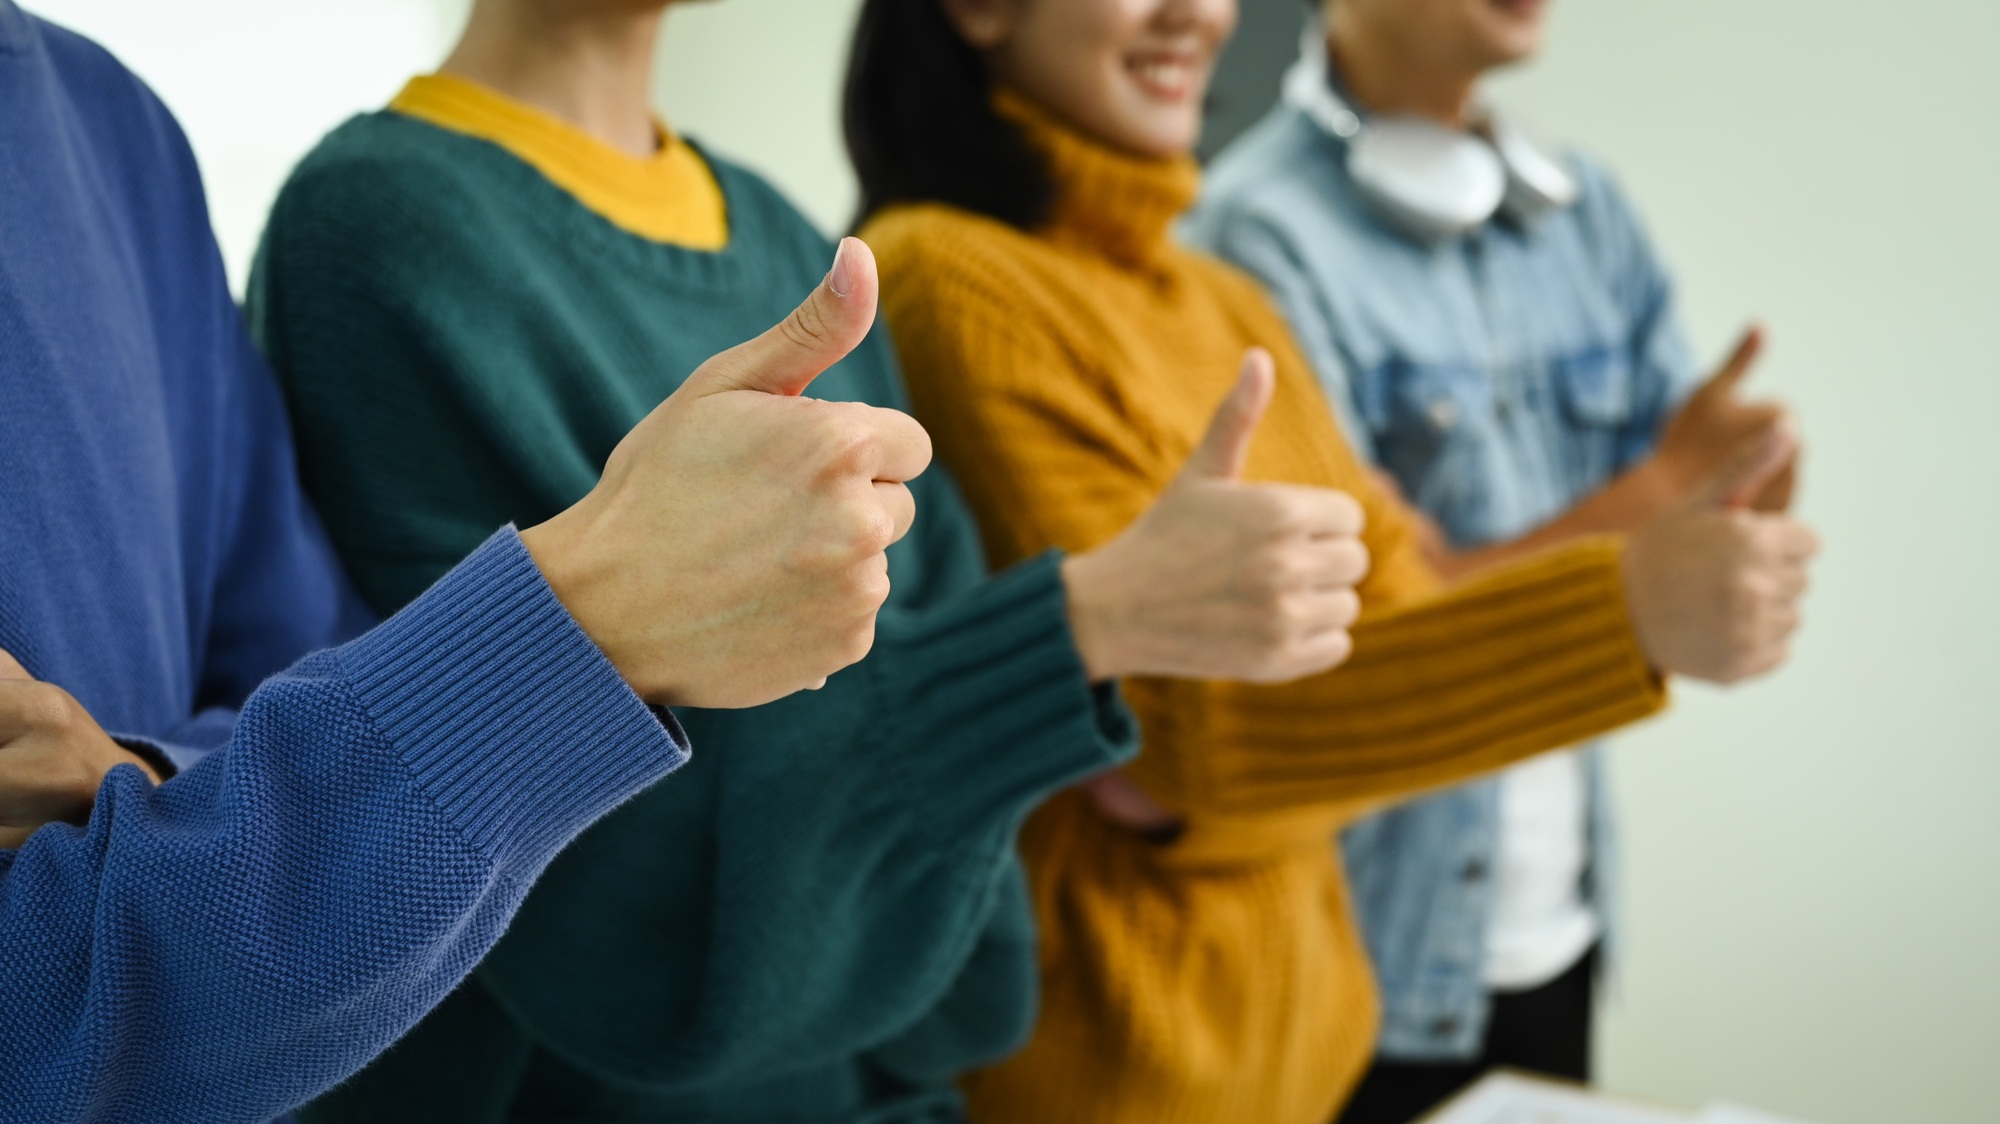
[1596, 386]
[1438, 399]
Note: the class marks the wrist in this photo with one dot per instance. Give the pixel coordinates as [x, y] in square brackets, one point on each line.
[549, 548]
[1088, 600]
[1650, 487]
[567, 568]
[150, 759]
[1666, 477]
[1636, 581]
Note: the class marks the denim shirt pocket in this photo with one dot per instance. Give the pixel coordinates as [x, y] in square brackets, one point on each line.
[1596, 390]
[1432, 425]
[1596, 387]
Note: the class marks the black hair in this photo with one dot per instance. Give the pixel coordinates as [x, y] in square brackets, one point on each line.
[920, 124]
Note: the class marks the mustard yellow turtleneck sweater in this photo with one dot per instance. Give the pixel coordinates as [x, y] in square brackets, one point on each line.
[1065, 374]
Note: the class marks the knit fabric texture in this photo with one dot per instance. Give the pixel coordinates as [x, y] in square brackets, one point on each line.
[824, 918]
[1065, 374]
[232, 942]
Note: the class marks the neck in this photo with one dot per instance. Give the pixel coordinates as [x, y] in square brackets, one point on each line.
[587, 63]
[1389, 74]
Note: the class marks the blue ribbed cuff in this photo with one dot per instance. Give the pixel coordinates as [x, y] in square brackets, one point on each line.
[506, 712]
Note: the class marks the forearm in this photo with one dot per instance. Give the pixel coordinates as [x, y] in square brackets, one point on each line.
[1619, 508]
[294, 903]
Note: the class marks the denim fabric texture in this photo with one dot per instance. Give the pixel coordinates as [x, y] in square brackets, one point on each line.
[1500, 377]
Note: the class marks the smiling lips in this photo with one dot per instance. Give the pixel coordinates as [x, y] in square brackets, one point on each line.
[1169, 78]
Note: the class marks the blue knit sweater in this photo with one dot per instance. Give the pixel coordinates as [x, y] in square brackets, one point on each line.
[344, 841]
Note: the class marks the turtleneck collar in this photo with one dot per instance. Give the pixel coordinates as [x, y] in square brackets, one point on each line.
[1107, 200]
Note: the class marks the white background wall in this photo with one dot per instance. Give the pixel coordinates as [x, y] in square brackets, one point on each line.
[256, 82]
[759, 80]
[1814, 861]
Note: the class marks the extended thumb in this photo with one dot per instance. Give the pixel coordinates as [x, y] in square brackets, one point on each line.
[819, 333]
[1740, 360]
[10, 668]
[1227, 443]
[1752, 466]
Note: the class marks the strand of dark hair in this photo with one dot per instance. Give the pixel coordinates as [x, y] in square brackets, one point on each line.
[920, 125]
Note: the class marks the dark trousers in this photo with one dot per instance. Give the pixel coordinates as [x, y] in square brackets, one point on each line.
[1546, 1030]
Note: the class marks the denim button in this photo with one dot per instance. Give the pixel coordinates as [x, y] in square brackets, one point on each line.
[1444, 1027]
[1474, 870]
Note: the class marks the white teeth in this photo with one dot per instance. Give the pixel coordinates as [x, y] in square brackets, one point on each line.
[1171, 76]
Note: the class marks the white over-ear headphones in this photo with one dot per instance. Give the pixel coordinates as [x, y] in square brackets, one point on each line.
[1430, 181]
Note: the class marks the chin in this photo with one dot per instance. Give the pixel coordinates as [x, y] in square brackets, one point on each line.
[1507, 46]
[1511, 31]
[1162, 139]
[1155, 126]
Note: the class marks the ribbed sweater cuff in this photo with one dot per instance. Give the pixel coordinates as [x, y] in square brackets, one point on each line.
[994, 694]
[1536, 656]
[506, 712]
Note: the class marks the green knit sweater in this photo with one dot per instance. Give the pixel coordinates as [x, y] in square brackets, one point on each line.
[823, 917]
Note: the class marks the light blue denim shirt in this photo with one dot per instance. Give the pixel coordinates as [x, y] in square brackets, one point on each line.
[1500, 377]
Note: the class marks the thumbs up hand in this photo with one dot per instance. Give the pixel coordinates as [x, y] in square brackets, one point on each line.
[1220, 579]
[732, 552]
[1713, 588]
[1716, 421]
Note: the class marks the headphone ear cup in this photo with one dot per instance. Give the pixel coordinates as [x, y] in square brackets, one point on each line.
[1537, 183]
[1427, 180]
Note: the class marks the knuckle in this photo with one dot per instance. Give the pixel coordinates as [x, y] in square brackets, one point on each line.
[1340, 648]
[857, 642]
[1744, 636]
[1277, 512]
[846, 444]
[1744, 593]
[853, 527]
[1267, 578]
[1352, 561]
[48, 707]
[1347, 514]
[1346, 608]
[1297, 611]
[870, 529]
[1272, 631]
[1270, 669]
[868, 587]
[1753, 663]
[1287, 569]
[1308, 655]
[1292, 661]
[1740, 533]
